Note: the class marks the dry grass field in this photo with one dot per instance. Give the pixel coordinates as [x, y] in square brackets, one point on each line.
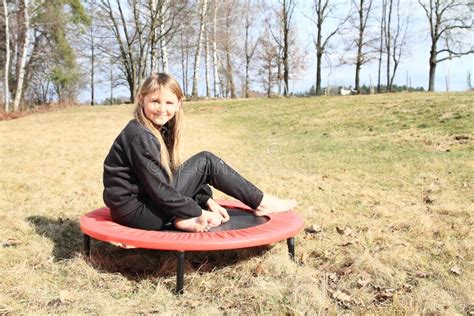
[385, 184]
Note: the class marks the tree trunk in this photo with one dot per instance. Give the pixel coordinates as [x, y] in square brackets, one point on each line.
[431, 86]
[247, 79]
[22, 61]
[92, 69]
[183, 64]
[197, 55]
[163, 45]
[153, 51]
[111, 74]
[269, 86]
[382, 27]
[388, 42]
[319, 51]
[247, 55]
[230, 75]
[7, 58]
[206, 62]
[319, 57]
[286, 31]
[214, 51]
[360, 43]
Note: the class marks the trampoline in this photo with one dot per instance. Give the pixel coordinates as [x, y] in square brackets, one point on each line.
[243, 230]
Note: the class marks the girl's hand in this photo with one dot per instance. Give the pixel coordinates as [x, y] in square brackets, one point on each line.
[216, 208]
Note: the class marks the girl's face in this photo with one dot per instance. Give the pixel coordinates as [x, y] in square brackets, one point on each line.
[160, 106]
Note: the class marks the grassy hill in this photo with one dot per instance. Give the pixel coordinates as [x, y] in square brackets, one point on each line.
[384, 182]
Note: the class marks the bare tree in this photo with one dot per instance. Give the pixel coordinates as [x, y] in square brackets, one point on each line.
[288, 7]
[159, 12]
[268, 63]
[154, 36]
[202, 20]
[207, 63]
[6, 92]
[250, 43]
[363, 8]
[396, 37]
[278, 23]
[381, 47]
[214, 50]
[228, 44]
[24, 51]
[133, 29]
[163, 39]
[323, 10]
[449, 20]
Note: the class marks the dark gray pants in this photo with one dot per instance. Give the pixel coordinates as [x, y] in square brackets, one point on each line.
[190, 179]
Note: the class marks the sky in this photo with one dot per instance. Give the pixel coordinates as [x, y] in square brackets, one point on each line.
[414, 64]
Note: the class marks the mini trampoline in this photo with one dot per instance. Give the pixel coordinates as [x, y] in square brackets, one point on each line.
[243, 230]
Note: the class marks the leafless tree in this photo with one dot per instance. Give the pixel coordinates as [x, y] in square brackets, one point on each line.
[24, 9]
[202, 6]
[449, 21]
[215, 62]
[287, 9]
[268, 57]
[324, 10]
[250, 43]
[364, 8]
[381, 46]
[284, 35]
[396, 36]
[6, 89]
[358, 38]
[133, 28]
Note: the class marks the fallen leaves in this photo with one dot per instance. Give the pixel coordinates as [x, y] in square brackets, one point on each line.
[260, 270]
[384, 295]
[346, 231]
[363, 280]
[343, 298]
[313, 229]
[66, 297]
[11, 242]
[456, 270]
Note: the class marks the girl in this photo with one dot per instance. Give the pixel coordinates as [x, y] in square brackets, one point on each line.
[145, 184]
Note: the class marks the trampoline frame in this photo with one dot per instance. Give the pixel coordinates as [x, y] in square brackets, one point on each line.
[180, 254]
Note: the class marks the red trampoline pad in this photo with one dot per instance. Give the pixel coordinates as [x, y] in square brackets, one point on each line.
[98, 224]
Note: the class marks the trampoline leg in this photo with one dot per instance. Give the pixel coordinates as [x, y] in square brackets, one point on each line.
[180, 273]
[291, 247]
[87, 245]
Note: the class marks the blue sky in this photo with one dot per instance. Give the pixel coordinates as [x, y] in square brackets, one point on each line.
[415, 64]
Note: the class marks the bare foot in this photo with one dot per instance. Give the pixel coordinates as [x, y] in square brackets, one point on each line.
[199, 224]
[194, 224]
[272, 204]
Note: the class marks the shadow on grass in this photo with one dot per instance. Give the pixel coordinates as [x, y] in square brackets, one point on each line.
[133, 264]
[64, 232]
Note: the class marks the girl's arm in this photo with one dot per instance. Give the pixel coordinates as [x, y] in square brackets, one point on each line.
[144, 158]
[216, 208]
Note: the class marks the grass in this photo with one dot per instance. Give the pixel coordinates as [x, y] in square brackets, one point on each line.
[384, 182]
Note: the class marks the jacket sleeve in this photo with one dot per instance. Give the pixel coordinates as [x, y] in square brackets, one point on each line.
[203, 195]
[145, 160]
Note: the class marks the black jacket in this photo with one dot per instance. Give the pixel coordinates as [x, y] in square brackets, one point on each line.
[133, 174]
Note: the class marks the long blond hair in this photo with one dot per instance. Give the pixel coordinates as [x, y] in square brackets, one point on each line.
[169, 140]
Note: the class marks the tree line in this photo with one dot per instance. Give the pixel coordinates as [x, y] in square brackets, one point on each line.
[52, 50]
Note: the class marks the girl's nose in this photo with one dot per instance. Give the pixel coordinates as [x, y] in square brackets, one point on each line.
[160, 106]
